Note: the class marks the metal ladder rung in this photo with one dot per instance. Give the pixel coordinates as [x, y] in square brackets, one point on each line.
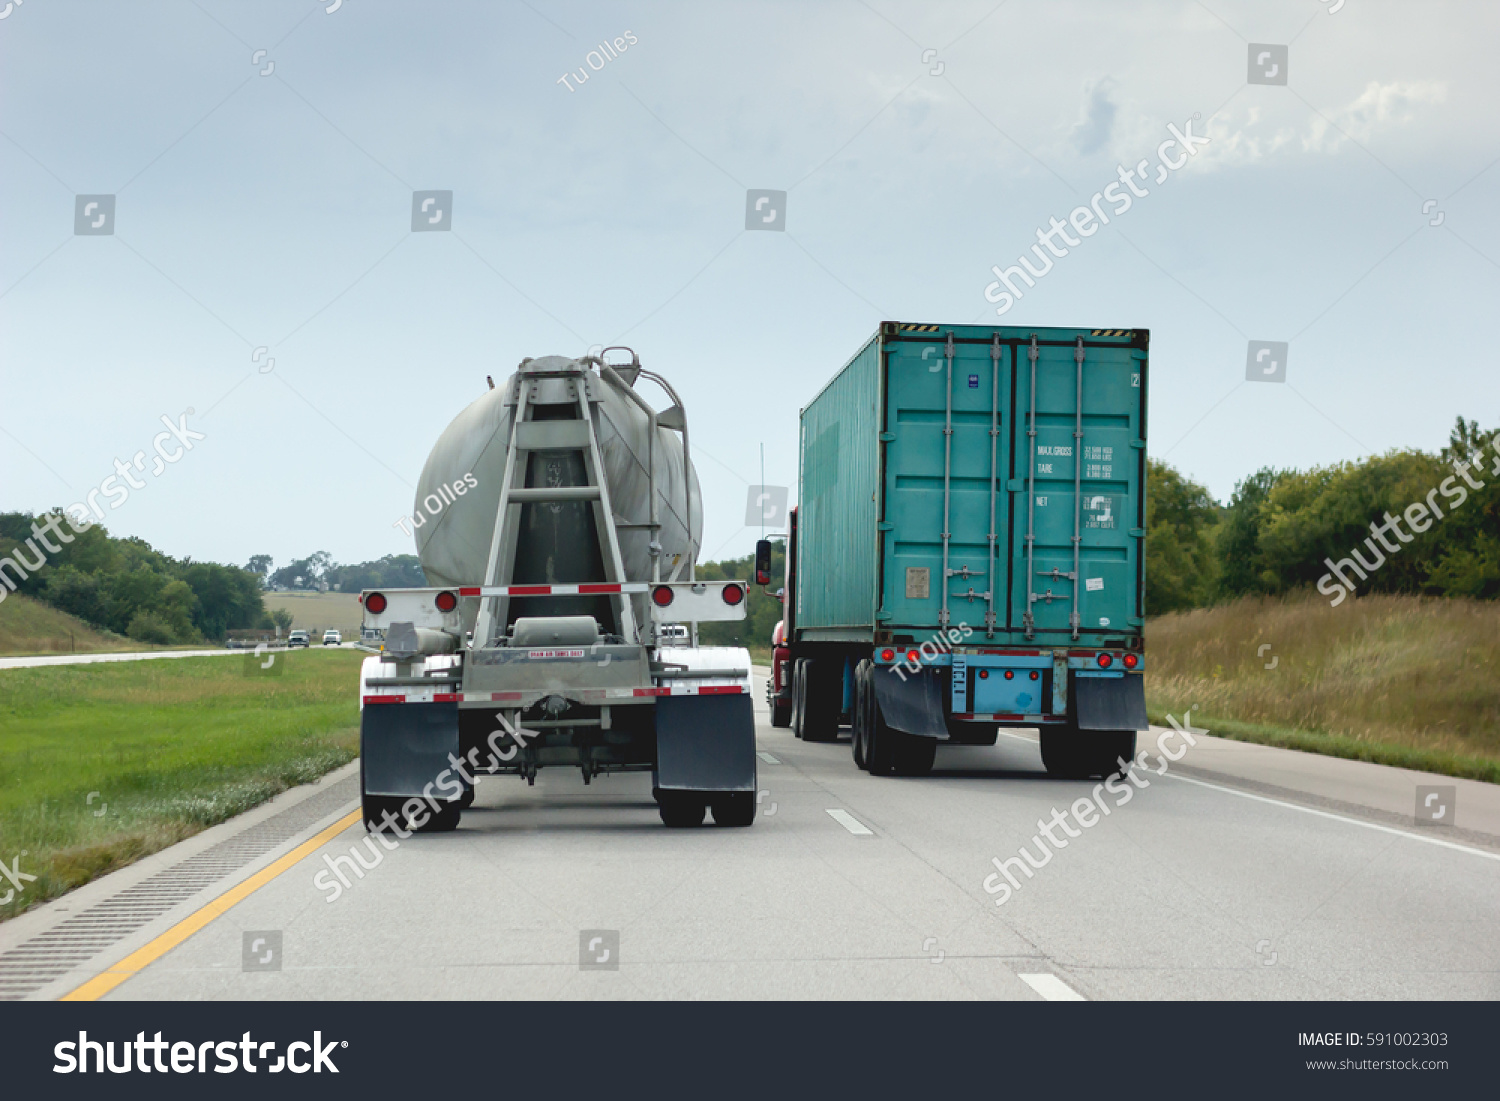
[553, 493]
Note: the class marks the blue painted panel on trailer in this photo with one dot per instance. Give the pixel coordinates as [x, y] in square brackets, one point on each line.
[1112, 490]
[917, 385]
[836, 507]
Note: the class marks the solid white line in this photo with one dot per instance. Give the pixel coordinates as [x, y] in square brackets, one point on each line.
[1341, 818]
[766, 757]
[1309, 810]
[1050, 987]
[850, 823]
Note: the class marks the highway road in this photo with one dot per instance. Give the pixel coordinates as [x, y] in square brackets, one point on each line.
[1242, 872]
[132, 655]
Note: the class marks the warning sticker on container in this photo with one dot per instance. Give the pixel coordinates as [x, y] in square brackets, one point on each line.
[1100, 510]
[1094, 584]
[546, 654]
[918, 584]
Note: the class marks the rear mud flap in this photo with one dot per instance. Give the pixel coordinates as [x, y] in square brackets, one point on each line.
[1111, 703]
[705, 743]
[404, 747]
[914, 705]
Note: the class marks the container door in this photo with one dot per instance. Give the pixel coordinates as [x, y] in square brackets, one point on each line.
[916, 414]
[1106, 516]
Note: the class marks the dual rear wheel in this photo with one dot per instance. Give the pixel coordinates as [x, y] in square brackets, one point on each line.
[1073, 754]
[879, 748]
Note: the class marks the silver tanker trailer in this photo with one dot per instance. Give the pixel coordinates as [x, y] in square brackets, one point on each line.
[558, 522]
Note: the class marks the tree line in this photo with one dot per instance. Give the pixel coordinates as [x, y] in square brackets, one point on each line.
[1408, 521]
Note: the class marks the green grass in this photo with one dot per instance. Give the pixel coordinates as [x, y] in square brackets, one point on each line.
[170, 746]
[1397, 680]
[27, 626]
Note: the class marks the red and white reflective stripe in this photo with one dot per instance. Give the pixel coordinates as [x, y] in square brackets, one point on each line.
[589, 589]
[585, 695]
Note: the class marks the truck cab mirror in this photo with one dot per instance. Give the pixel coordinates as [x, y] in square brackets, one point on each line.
[763, 562]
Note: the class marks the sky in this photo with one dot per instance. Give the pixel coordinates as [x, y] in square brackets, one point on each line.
[259, 264]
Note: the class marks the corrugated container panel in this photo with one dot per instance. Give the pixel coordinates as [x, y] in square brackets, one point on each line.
[875, 443]
[837, 500]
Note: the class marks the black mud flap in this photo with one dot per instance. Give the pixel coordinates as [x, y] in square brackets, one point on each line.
[705, 743]
[404, 747]
[1111, 703]
[914, 705]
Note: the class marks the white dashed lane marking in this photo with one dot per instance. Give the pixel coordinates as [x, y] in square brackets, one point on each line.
[1050, 987]
[850, 823]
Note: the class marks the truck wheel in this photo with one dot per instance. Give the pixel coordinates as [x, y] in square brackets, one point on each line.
[859, 733]
[822, 699]
[781, 713]
[466, 800]
[913, 755]
[799, 683]
[1073, 754]
[880, 738]
[680, 808]
[734, 808]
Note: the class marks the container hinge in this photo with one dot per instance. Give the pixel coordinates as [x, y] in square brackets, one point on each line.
[885, 525]
[887, 437]
[1138, 533]
[884, 616]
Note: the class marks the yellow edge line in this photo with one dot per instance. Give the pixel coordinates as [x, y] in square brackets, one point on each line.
[142, 957]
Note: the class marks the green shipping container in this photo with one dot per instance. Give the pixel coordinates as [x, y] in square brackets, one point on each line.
[956, 476]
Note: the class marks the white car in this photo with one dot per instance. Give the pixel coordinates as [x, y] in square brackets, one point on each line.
[332, 638]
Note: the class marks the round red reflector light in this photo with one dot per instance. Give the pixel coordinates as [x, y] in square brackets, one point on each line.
[1105, 661]
[375, 603]
[1033, 674]
[1009, 675]
[733, 594]
[887, 655]
[913, 656]
[984, 674]
[446, 601]
[661, 596]
[1131, 661]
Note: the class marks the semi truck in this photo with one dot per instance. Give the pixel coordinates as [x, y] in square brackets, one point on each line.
[558, 520]
[968, 548]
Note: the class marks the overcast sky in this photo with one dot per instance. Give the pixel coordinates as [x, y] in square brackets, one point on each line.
[1350, 211]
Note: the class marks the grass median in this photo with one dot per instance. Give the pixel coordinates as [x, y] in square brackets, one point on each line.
[103, 764]
[1397, 680]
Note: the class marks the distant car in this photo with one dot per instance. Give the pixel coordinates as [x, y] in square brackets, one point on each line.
[298, 638]
[332, 638]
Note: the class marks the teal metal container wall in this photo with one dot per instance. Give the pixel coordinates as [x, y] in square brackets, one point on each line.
[870, 550]
[837, 505]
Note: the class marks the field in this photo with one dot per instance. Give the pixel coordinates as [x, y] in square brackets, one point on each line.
[27, 626]
[103, 764]
[317, 612]
[1400, 680]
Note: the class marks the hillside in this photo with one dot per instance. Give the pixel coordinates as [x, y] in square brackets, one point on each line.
[318, 612]
[1401, 680]
[28, 626]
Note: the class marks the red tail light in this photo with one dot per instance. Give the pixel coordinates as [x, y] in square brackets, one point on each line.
[733, 594]
[1105, 661]
[661, 596]
[887, 654]
[446, 601]
[914, 656]
[1034, 674]
[1009, 675]
[1131, 661]
[375, 603]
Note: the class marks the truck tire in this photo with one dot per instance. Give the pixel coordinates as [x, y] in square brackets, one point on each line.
[799, 695]
[373, 808]
[1073, 754]
[822, 699]
[681, 808]
[913, 754]
[734, 808]
[880, 738]
[859, 732]
[781, 713]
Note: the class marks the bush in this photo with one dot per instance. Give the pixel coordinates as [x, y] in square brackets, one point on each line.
[149, 627]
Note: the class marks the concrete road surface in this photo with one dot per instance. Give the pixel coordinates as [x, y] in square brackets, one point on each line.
[137, 655]
[1242, 872]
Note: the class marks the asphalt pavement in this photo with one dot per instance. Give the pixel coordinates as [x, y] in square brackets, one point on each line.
[1235, 871]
